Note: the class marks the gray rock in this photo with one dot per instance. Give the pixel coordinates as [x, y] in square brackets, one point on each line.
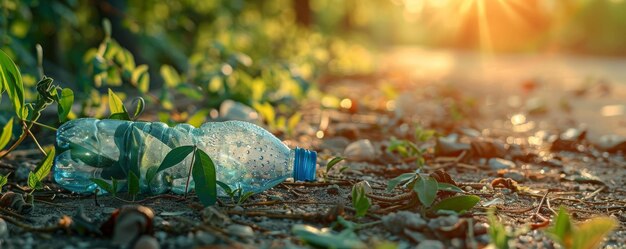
[4, 231]
[204, 238]
[231, 110]
[241, 231]
[443, 221]
[147, 242]
[361, 150]
[499, 163]
[397, 222]
[238, 208]
[430, 244]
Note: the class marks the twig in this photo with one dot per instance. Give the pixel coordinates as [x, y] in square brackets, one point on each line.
[37, 143]
[516, 211]
[397, 198]
[306, 216]
[45, 126]
[594, 193]
[544, 222]
[549, 207]
[28, 227]
[268, 203]
[9, 212]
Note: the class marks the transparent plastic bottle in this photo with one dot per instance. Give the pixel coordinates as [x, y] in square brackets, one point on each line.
[245, 155]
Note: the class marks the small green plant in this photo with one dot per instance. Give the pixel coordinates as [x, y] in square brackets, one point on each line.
[202, 169]
[238, 192]
[28, 113]
[4, 180]
[360, 201]
[410, 149]
[332, 164]
[586, 235]
[111, 188]
[36, 177]
[426, 188]
[497, 232]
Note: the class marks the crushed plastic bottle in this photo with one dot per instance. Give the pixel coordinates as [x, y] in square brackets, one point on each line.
[245, 155]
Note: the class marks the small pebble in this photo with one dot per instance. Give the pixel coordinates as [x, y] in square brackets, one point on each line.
[430, 244]
[4, 231]
[238, 208]
[361, 150]
[332, 190]
[147, 242]
[499, 163]
[204, 238]
[241, 231]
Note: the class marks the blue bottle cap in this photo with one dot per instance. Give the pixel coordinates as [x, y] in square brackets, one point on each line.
[304, 165]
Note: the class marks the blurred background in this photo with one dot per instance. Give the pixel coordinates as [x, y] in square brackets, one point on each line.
[279, 51]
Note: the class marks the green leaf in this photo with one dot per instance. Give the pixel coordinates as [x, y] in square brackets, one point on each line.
[426, 189]
[204, 177]
[133, 184]
[11, 81]
[293, 121]
[497, 231]
[198, 118]
[116, 105]
[150, 174]
[562, 228]
[120, 116]
[399, 180]
[114, 186]
[244, 197]
[33, 182]
[102, 184]
[4, 180]
[140, 106]
[359, 200]
[170, 76]
[449, 187]
[591, 233]
[175, 156]
[333, 162]
[141, 79]
[43, 169]
[65, 100]
[225, 187]
[7, 132]
[266, 110]
[456, 203]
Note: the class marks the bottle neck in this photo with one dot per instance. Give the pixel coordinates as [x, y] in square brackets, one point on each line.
[304, 164]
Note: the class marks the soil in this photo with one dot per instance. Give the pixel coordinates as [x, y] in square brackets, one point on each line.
[549, 175]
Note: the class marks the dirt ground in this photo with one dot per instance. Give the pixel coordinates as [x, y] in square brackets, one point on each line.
[524, 115]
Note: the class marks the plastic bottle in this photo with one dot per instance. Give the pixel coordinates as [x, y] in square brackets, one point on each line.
[245, 155]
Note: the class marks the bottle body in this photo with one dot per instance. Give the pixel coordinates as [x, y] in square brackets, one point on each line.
[245, 156]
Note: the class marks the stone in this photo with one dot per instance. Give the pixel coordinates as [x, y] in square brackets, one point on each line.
[397, 222]
[231, 110]
[430, 244]
[499, 163]
[361, 150]
[241, 231]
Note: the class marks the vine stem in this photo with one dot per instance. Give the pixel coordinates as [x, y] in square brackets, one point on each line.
[193, 158]
[25, 128]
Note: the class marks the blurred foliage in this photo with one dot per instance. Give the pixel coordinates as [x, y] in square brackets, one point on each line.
[186, 57]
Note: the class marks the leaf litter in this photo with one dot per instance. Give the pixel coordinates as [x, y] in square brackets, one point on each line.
[524, 178]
